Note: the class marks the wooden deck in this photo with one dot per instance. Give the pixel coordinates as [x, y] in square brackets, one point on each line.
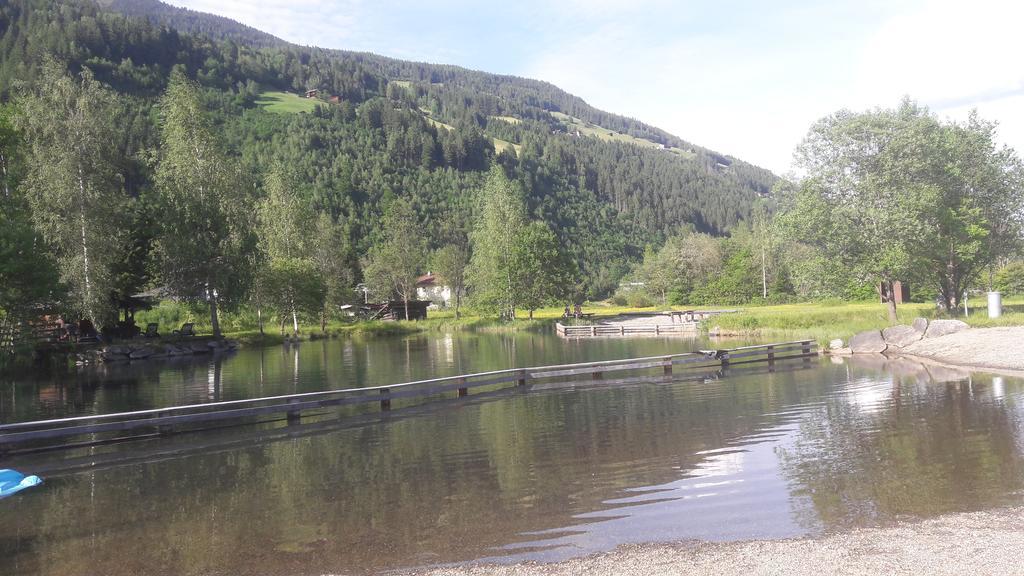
[48, 434]
[640, 323]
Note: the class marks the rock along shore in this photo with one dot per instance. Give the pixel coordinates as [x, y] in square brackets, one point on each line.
[154, 349]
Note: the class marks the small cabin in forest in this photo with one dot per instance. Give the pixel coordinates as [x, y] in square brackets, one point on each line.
[312, 93]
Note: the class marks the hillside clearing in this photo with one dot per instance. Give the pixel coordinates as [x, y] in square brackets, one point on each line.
[286, 103]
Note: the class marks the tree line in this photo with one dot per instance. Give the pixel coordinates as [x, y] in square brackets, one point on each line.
[68, 221]
[422, 132]
[887, 195]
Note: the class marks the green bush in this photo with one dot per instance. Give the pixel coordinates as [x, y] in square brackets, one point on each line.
[639, 299]
[1010, 279]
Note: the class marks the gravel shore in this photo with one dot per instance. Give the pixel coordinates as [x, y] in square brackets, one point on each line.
[969, 543]
[981, 348]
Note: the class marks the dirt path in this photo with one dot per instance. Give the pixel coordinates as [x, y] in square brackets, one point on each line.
[997, 348]
[973, 543]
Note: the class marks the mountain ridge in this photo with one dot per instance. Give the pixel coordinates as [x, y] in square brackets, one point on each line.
[609, 186]
[194, 21]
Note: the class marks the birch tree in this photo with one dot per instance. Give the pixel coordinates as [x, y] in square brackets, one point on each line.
[332, 255]
[392, 264]
[72, 185]
[294, 284]
[492, 273]
[206, 213]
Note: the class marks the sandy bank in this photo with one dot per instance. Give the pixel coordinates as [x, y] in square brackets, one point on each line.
[970, 543]
[994, 348]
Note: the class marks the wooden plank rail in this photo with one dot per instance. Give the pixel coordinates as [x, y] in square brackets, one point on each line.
[623, 329]
[168, 420]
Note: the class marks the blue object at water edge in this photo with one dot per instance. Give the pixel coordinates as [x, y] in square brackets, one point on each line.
[12, 482]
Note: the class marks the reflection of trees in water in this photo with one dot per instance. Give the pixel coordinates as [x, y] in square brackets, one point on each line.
[927, 448]
[442, 487]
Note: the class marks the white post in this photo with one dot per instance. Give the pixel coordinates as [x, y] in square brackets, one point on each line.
[995, 305]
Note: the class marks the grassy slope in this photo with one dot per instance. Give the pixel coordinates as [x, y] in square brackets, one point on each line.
[499, 144]
[285, 103]
[587, 129]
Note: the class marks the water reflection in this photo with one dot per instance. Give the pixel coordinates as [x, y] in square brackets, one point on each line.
[539, 475]
[305, 367]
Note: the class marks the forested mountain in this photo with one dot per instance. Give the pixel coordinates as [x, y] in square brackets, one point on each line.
[607, 185]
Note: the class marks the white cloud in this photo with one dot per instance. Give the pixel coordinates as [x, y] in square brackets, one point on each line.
[952, 56]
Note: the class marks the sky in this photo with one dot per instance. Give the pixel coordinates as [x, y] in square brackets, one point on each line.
[745, 78]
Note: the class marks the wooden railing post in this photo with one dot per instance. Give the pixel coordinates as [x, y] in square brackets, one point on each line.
[521, 381]
[164, 428]
[668, 366]
[294, 416]
[463, 390]
[771, 358]
[385, 399]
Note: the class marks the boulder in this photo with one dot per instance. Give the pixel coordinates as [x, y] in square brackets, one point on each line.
[901, 336]
[141, 353]
[841, 352]
[938, 328]
[870, 342]
[920, 324]
[199, 348]
[835, 344]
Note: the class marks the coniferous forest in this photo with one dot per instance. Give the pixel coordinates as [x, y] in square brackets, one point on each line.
[379, 131]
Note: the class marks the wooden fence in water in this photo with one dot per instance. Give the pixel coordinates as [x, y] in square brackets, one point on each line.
[585, 330]
[106, 427]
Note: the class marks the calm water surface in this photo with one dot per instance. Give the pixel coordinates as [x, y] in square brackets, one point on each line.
[543, 474]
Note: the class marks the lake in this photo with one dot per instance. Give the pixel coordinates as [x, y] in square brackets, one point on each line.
[542, 474]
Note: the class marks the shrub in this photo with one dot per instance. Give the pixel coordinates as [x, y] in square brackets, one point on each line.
[1010, 279]
[640, 299]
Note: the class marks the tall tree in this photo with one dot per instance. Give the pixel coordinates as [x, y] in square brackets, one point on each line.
[72, 184]
[8, 144]
[899, 195]
[294, 283]
[393, 262]
[543, 273]
[492, 273]
[332, 255]
[449, 263]
[206, 212]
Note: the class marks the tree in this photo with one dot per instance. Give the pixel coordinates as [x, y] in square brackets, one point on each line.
[206, 213]
[544, 274]
[332, 255]
[392, 264]
[899, 195]
[9, 141]
[449, 263]
[978, 216]
[764, 233]
[293, 284]
[659, 272]
[492, 273]
[72, 184]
